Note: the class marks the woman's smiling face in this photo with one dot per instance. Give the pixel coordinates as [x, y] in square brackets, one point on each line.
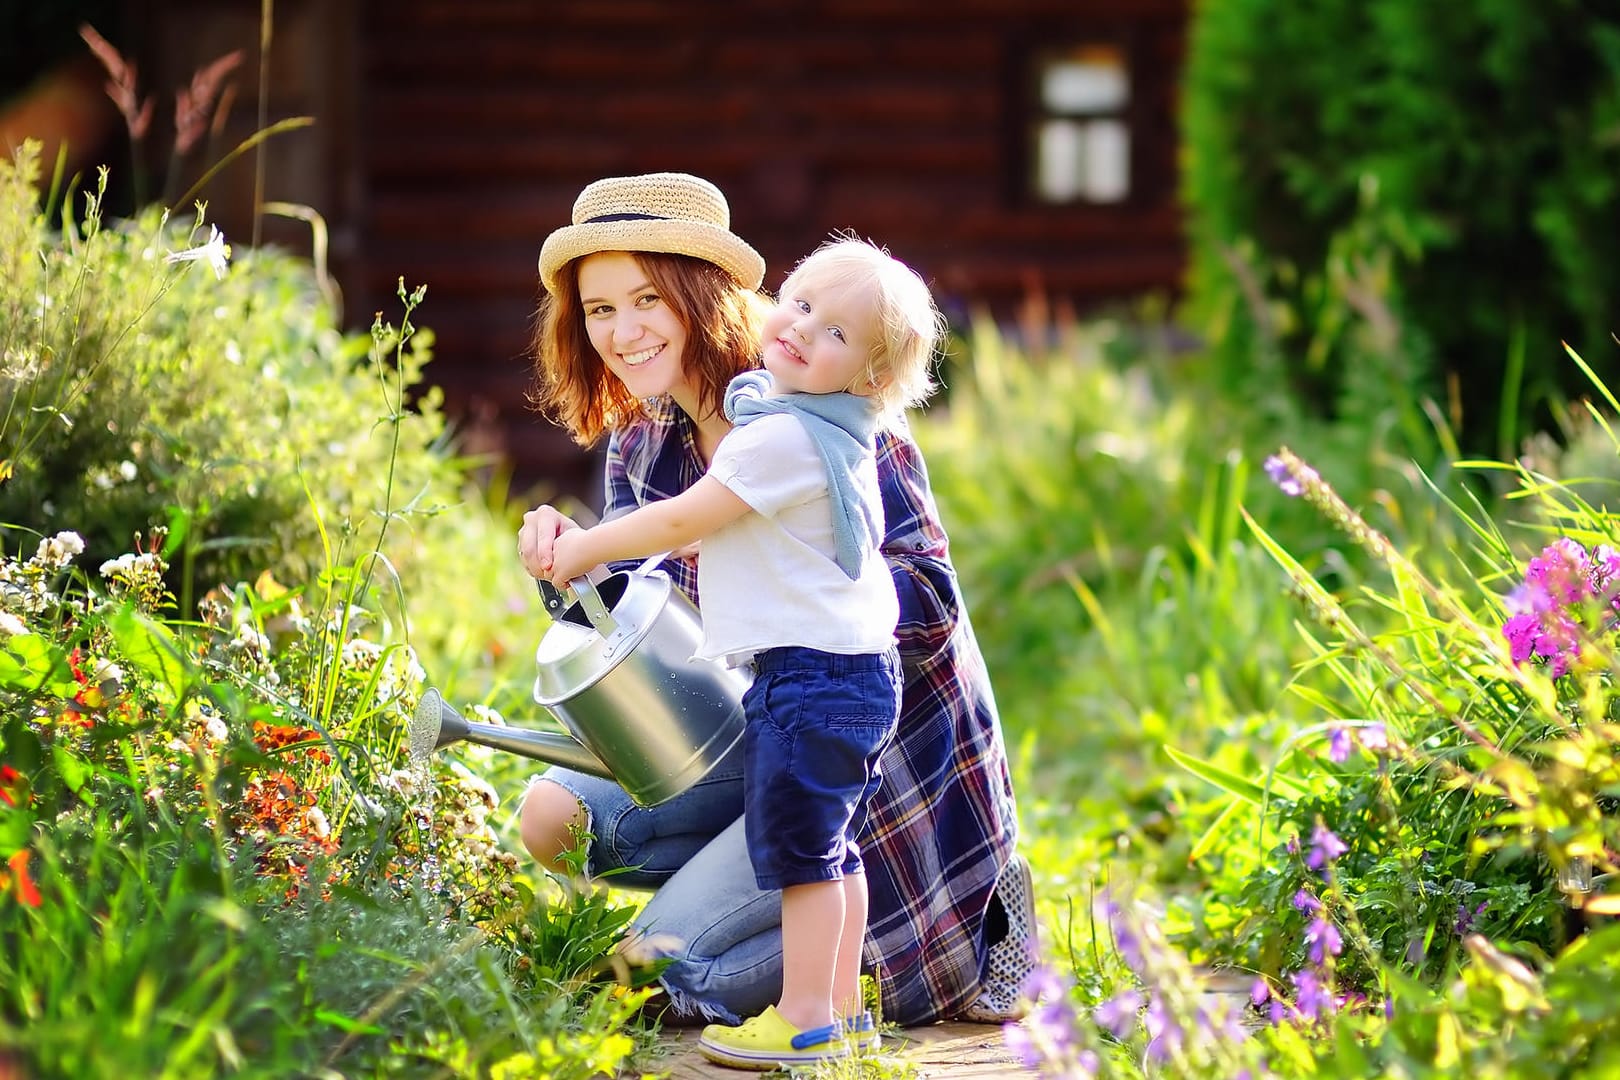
[632, 327]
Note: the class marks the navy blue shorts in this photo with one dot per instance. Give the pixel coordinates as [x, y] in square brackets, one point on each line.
[816, 724]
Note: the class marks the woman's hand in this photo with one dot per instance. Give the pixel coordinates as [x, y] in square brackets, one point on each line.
[537, 539]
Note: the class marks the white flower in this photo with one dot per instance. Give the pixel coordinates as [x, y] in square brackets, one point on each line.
[57, 551]
[404, 781]
[318, 824]
[249, 640]
[10, 625]
[216, 252]
[109, 677]
[370, 807]
[360, 653]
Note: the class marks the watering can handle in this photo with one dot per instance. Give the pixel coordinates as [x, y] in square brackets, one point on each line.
[557, 602]
[553, 599]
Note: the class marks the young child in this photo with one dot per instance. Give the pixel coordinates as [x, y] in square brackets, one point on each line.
[793, 583]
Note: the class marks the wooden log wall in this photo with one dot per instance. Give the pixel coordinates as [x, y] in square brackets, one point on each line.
[478, 121]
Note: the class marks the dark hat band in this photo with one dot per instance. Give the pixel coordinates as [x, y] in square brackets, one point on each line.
[624, 217]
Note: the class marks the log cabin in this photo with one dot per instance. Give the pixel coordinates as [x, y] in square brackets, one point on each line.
[1005, 148]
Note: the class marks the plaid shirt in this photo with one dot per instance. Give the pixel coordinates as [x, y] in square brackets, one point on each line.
[943, 823]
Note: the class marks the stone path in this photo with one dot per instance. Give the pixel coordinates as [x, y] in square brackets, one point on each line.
[953, 1051]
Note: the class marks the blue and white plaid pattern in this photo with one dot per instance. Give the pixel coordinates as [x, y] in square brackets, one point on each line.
[944, 823]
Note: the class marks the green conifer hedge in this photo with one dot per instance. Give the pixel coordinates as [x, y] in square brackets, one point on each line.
[1457, 163]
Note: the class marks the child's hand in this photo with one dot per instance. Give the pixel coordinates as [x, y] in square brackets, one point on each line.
[569, 557]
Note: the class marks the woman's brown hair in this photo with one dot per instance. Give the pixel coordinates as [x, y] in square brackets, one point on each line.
[572, 385]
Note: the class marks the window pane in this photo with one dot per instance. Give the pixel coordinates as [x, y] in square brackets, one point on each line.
[1058, 160]
[1107, 161]
[1086, 160]
[1086, 79]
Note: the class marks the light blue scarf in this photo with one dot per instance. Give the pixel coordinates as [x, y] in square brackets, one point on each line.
[844, 430]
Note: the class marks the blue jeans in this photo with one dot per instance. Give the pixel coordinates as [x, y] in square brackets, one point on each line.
[727, 960]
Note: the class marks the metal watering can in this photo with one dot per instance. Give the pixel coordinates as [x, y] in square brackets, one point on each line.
[616, 669]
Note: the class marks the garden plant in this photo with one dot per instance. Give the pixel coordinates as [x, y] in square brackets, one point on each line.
[1313, 711]
[219, 856]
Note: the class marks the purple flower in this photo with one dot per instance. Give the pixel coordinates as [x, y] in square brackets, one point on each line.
[1339, 745]
[1277, 469]
[1165, 1034]
[1324, 940]
[1521, 632]
[1374, 737]
[1605, 574]
[1042, 983]
[1313, 1000]
[1259, 992]
[1212, 1023]
[1118, 1013]
[1325, 847]
[1019, 1041]
[1046, 1041]
[1553, 637]
[1304, 901]
[1561, 571]
[1549, 611]
[1465, 918]
[1126, 939]
[1052, 1025]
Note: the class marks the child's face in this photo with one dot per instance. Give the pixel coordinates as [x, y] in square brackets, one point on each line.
[818, 338]
[633, 329]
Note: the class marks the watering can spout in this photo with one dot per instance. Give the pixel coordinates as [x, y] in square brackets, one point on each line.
[436, 725]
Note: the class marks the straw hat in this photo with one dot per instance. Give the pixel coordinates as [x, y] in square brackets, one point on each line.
[670, 212]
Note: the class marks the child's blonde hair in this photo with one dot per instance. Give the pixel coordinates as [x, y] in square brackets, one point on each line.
[909, 325]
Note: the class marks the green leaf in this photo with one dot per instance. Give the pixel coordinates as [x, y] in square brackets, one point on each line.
[1230, 782]
[344, 1023]
[73, 769]
[152, 649]
[1216, 828]
[30, 663]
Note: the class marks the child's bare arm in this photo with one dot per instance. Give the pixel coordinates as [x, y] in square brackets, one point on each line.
[660, 526]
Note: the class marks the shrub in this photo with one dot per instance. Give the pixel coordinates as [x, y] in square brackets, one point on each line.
[1345, 142]
[228, 408]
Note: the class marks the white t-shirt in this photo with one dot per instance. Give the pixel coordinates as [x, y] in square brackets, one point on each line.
[769, 578]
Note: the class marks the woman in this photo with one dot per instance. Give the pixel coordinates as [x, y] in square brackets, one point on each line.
[651, 306]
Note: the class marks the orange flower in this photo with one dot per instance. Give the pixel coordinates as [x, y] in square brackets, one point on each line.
[12, 785]
[271, 737]
[26, 892]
